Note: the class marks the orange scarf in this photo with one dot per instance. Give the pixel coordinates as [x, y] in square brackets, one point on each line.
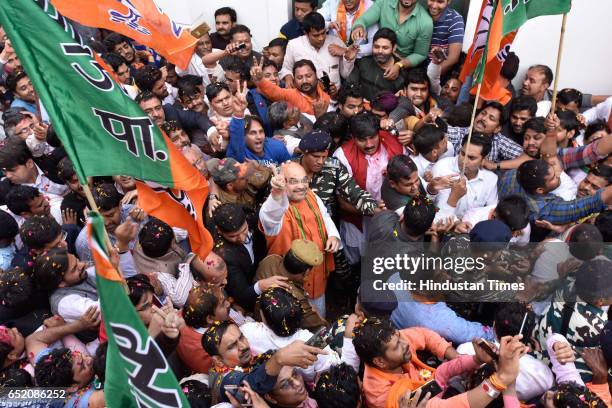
[303, 220]
[341, 17]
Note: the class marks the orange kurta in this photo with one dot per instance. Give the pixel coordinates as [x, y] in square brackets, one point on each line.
[291, 95]
[308, 210]
[381, 389]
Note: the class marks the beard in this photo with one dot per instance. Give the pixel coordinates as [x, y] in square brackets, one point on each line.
[382, 58]
[306, 87]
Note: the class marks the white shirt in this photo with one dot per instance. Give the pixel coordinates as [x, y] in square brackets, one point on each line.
[424, 165]
[481, 190]
[195, 67]
[476, 215]
[177, 287]
[53, 191]
[543, 108]
[300, 48]
[535, 378]
[329, 11]
[172, 94]
[261, 339]
[601, 111]
[567, 188]
[272, 215]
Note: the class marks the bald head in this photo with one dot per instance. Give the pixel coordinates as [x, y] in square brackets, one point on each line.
[293, 170]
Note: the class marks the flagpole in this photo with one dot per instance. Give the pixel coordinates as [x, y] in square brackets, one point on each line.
[95, 208]
[559, 53]
[469, 139]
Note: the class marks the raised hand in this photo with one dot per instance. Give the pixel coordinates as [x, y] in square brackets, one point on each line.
[405, 137]
[319, 106]
[358, 33]
[274, 282]
[239, 100]
[277, 182]
[351, 52]
[257, 70]
[69, 216]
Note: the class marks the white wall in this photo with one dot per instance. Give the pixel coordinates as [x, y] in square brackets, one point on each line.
[263, 17]
[586, 63]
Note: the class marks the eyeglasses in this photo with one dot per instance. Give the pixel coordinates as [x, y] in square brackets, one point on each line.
[295, 182]
[26, 130]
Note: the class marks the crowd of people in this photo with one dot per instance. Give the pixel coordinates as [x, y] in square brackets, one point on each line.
[350, 129]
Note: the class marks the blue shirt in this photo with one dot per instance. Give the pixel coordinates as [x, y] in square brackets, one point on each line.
[448, 29]
[6, 256]
[437, 317]
[274, 151]
[549, 207]
[292, 29]
[20, 103]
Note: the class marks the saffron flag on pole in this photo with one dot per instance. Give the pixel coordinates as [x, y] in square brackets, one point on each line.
[104, 132]
[141, 20]
[137, 373]
[183, 209]
[498, 24]
[488, 53]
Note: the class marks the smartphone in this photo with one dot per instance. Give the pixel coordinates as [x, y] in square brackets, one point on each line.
[326, 82]
[238, 394]
[483, 344]
[320, 339]
[241, 46]
[431, 386]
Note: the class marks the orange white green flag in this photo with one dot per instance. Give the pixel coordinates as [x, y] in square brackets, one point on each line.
[137, 372]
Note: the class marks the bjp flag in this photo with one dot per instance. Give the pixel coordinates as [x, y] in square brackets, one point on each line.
[179, 208]
[488, 53]
[140, 20]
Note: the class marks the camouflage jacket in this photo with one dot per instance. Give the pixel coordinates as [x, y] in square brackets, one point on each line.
[334, 180]
[585, 325]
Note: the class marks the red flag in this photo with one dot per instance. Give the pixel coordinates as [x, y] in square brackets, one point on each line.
[141, 20]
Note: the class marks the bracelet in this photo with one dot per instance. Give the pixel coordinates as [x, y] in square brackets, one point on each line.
[213, 197]
[490, 390]
[399, 64]
[496, 383]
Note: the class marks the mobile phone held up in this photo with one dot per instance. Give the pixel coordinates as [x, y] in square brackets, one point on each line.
[320, 339]
[237, 393]
[326, 82]
[431, 387]
[483, 344]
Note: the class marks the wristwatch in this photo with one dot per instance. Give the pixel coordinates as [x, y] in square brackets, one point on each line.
[490, 390]
[399, 64]
[498, 168]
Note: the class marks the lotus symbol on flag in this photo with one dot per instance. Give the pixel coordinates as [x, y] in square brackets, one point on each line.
[130, 20]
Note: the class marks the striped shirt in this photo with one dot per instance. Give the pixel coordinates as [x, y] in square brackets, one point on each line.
[448, 29]
[550, 207]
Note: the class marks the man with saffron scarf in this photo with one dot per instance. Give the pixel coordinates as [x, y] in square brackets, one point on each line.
[340, 16]
[292, 211]
[365, 156]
